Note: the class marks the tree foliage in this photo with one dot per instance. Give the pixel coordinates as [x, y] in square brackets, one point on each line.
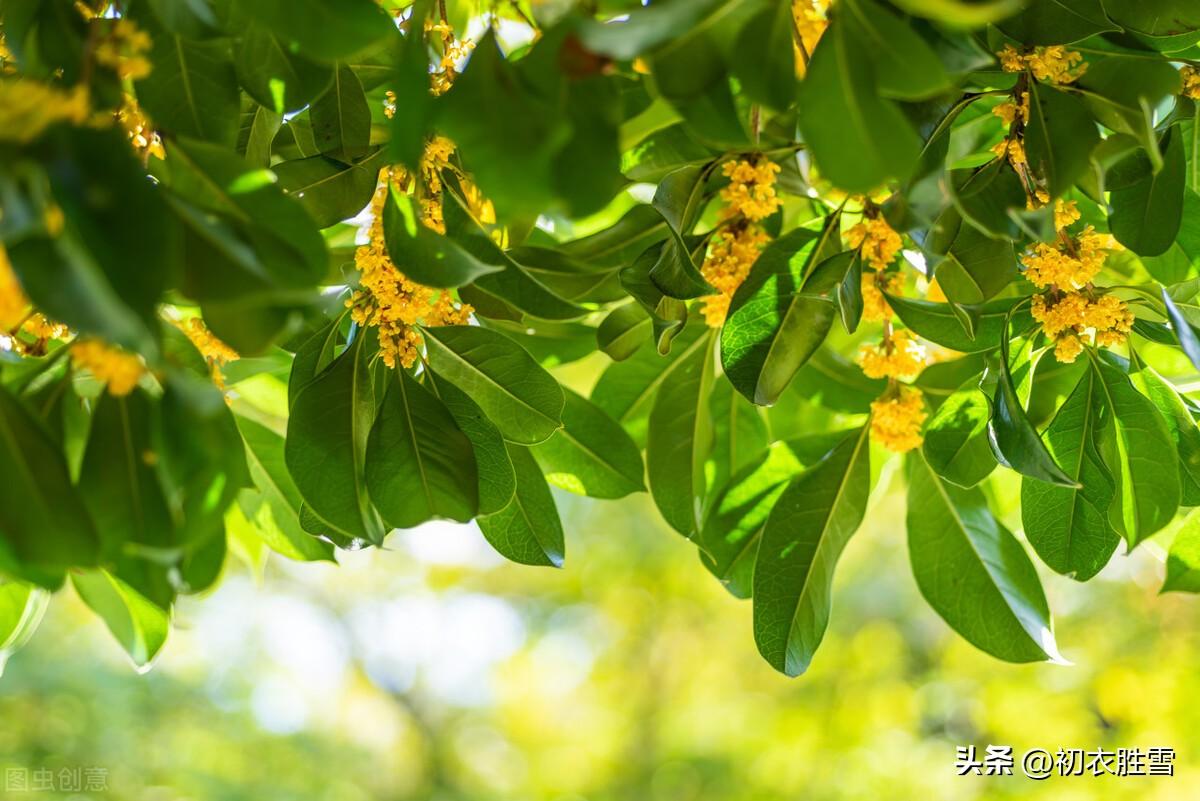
[795, 240]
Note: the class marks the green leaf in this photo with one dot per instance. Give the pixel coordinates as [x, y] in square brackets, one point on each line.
[1146, 214]
[341, 118]
[679, 438]
[118, 480]
[137, 623]
[905, 65]
[424, 255]
[312, 357]
[1123, 91]
[328, 189]
[956, 442]
[324, 30]
[420, 466]
[1059, 137]
[1183, 561]
[763, 59]
[591, 454]
[842, 115]
[277, 518]
[810, 524]
[678, 199]
[1180, 425]
[626, 390]
[1053, 22]
[276, 78]
[849, 295]
[974, 572]
[517, 395]
[646, 27]
[21, 610]
[623, 331]
[193, 88]
[938, 323]
[326, 446]
[976, 267]
[992, 199]
[1014, 440]
[1183, 330]
[1068, 527]
[781, 314]
[1135, 439]
[43, 522]
[256, 133]
[1154, 17]
[497, 482]
[528, 530]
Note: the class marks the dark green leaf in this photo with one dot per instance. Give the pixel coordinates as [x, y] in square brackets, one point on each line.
[497, 482]
[956, 442]
[341, 118]
[278, 79]
[1059, 137]
[528, 530]
[1146, 214]
[328, 189]
[424, 255]
[591, 454]
[323, 29]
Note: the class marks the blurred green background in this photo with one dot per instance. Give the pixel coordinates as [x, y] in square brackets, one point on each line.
[435, 670]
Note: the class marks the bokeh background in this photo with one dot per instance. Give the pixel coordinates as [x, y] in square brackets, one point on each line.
[435, 670]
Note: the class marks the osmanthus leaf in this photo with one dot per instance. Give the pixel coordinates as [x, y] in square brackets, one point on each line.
[523, 401]
[1058, 22]
[1154, 17]
[324, 30]
[734, 520]
[956, 442]
[1180, 425]
[668, 315]
[312, 357]
[288, 251]
[1146, 213]
[645, 28]
[678, 199]
[137, 623]
[328, 189]
[276, 78]
[976, 268]
[842, 115]
[591, 454]
[199, 454]
[1059, 137]
[276, 515]
[781, 314]
[623, 331]
[1189, 341]
[44, 525]
[192, 89]
[497, 481]
[1183, 560]
[974, 572]
[992, 199]
[832, 381]
[906, 66]
[118, 479]
[1014, 440]
[960, 14]
[21, 608]
[663, 152]
[626, 390]
[528, 529]
[341, 118]
[740, 434]
[679, 438]
[802, 539]
[622, 242]
[1068, 526]
[849, 295]
[194, 19]
[938, 322]
[510, 281]
[420, 465]
[763, 59]
[326, 444]
[1123, 91]
[426, 256]
[257, 128]
[572, 279]
[1135, 442]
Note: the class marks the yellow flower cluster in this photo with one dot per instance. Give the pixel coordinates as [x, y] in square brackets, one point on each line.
[1009, 112]
[453, 51]
[1066, 214]
[751, 189]
[17, 315]
[1074, 317]
[391, 302]
[118, 370]
[1055, 63]
[877, 241]
[810, 22]
[145, 140]
[438, 151]
[1067, 265]
[214, 351]
[730, 258]
[896, 421]
[123, 49]
[875, 305]
[1014, 148]
[749, 198]
[899, 356]
[28, 107]
[1191, 82]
